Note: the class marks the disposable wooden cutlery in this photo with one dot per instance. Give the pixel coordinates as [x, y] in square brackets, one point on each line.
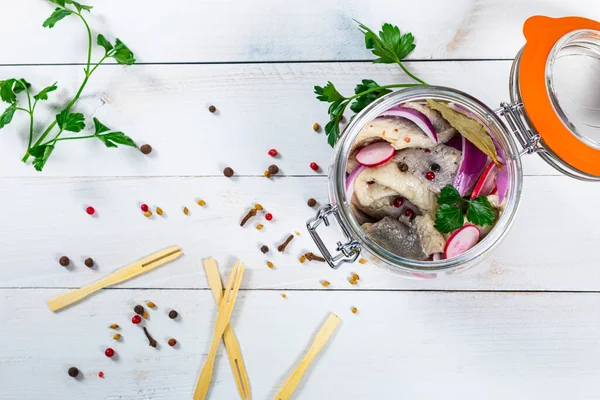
[225, 310]
[141, 267]
[231, 344]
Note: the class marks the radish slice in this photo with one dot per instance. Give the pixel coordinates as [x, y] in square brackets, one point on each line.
[503, 183]
[350, 181]
[472, 163]
[495, 189]
[375, 154]
[461, 240]
[415, 116]
[486, 181]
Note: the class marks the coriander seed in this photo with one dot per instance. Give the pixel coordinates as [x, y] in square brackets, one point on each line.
[159, 211]
[316, 127]
[114, 326]
[148, 214]
[270, 264]
[325, 283]
[186, 211]
[117, 336]
[151, 304]
[201, 203]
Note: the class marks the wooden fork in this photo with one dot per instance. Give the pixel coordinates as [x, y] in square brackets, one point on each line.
[225, 310]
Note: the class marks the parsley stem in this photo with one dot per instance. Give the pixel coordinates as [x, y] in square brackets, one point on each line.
[22, 109]
[56, 139]
[378, 88]
[409, 73]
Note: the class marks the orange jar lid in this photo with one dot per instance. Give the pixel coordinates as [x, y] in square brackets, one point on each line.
[564, 132]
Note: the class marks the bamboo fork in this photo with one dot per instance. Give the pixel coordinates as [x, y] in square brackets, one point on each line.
[289, 386]
[145, 265]
[225, 310]
[231, 343]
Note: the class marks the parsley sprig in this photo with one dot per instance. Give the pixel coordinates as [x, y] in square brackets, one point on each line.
[10, 89]
[391, 47]
[450, 216]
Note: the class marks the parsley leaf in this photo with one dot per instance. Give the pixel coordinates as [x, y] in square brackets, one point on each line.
[57, 15]
[20, 85]
[122, 54]
[328, 93]
[113, 138]
[449, 195]
[480, 211]
[6, 91]
[72, 122]
[366, 99]
[41, 154]
[100, 127]
[80, 7]
[102, 41]
[390, 46]
[60, 2]
[7, 115]
[43, 94]
[448, 218]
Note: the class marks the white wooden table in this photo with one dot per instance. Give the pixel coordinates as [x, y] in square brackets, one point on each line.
[523, 325]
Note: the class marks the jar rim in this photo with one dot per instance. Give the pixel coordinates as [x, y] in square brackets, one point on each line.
[493, 123]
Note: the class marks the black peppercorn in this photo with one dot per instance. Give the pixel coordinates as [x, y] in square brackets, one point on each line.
[212, 109]
[138, 309]
[89, 262]
[228, 172]
[64, 261]
[264, 249]
[311, 202]
[273, 169]
[435, 167]
[173, 314]
[403, 167]
[146, 149]
[73, 372]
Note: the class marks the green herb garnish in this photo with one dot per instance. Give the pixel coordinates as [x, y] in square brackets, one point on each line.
[390, 46]
[65, 120]
[449, 217]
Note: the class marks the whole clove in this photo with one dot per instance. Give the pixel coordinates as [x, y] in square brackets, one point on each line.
[250, 214]
[314, 257]
[283, 245]
[264, 249]
[151, 340]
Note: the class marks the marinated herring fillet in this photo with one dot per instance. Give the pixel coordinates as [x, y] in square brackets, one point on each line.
[431, 239]
[381, 207]
[397, 238]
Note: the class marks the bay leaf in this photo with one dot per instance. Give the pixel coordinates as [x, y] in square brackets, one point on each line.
[472, 130]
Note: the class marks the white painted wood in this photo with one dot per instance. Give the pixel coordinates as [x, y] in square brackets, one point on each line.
[264, 30]
[552, 245]
[399, 346]
[260, 106]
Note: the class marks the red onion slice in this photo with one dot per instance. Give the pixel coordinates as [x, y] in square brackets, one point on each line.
[350, 180]
[415, 116]
[471, 166]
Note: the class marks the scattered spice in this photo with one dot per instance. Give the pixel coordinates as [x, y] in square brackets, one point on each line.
[264, 249]
[114, 326]
[159, 211]
[101, 374]
[150, 304]
[259, 226]
[283, 295]
[148, 214]
[258, 207]
[151, 340]
[273, 153]
[267, 174]
[355, 276]
[139, 309]
[201, 203]
[109, 352]
[173, 314]
[302, 259]
[407, 139]
[172, 342]
[282, 246]
[90, 210]
[273, 169]
[354, 310]
[186, 211]
[311, 202]
[403, 167]
[228, 172]
[117, 336]
[144, 207]
[146, 149]
[314, 166]
[73, 372]
[136, 319]
[316, 127]
[325, 283]
[362, 261]
[314, 257]
[268, 216]
[212, 108]
[89, 262]
[145, 314]
[297, 233]
[64, 261]
[250, 214]
[270, 264]
[352, 281]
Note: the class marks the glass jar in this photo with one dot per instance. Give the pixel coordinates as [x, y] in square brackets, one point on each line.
[548, 77]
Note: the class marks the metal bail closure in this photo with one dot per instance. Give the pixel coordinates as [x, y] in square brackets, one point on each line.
[349, 251]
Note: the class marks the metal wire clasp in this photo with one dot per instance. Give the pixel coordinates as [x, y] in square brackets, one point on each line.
[349, 251]
[514, 117]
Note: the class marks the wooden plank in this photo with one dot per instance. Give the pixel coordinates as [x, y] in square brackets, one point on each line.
[472, 345]
[265, 30]
[552, 245]
[259, 107]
